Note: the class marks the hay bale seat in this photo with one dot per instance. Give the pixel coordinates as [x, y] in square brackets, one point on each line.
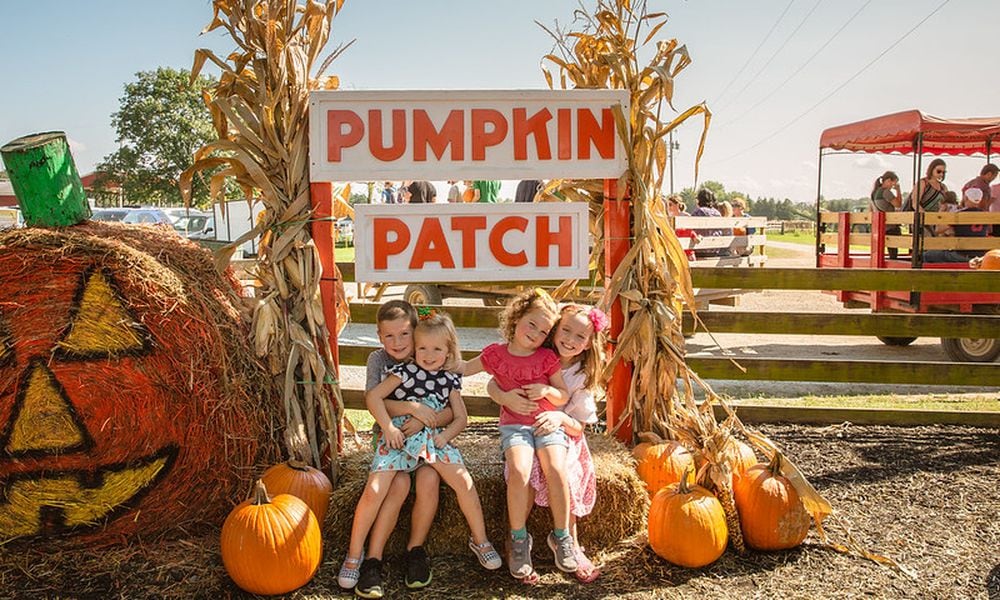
[619, 513]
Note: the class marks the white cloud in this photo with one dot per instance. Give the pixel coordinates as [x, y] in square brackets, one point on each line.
[76, 147]
[871, 161]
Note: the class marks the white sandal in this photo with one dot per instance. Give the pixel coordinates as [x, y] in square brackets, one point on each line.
[350, 572]
[487, 554]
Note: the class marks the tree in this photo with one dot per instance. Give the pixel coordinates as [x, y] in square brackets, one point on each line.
[161, 122]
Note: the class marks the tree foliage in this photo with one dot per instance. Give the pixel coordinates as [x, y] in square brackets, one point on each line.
[161, 121]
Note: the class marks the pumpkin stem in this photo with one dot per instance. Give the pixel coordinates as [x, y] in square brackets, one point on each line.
[260, 494]
[298, 464]
[775, 466]
[682, 485]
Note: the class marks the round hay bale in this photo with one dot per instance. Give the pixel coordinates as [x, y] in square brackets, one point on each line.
[619, 513]
[131, 402]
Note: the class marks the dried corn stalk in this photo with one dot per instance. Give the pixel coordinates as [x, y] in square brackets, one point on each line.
[260, 110]
[653, 281]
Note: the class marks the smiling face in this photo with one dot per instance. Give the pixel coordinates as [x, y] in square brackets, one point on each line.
[572, 336]
[531, 330]
[396, 336]
[431, 349]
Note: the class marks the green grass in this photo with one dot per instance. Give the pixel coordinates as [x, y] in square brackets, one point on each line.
[806, 238]
[343, 254]
[776, 253]
[945, 402]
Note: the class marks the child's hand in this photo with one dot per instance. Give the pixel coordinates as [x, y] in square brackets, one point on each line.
[536, 391]
[426, 415]
[440, 441]
[518, 403]
[548, 422]
[411, 426]
[394, 438]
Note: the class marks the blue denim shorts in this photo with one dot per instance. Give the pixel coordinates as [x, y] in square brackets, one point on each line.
[524, 435]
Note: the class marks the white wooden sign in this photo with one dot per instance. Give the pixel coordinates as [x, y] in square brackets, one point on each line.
[399, 243]
[455, 135]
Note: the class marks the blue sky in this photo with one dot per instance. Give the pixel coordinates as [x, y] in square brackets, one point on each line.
[67, 62]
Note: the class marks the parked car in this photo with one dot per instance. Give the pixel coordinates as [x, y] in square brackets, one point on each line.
[147, 216]
[109, 214]
[196, 226]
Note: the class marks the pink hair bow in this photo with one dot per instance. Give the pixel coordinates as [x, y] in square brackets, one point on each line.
[598, 319]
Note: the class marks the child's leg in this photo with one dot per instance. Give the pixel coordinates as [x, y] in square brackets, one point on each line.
[519, 459]
[385, 522]
[552, 459]
[458, 479]
[367, 509]
[425, 506]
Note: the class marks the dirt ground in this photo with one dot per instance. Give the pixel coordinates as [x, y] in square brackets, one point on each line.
[926, 497]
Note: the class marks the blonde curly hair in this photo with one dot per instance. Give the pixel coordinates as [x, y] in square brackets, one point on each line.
[524, 303]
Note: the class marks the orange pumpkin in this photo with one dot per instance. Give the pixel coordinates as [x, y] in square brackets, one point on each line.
[640, 450]
[771, 514]
[744, 458]
[687, 525]
[117, 416]
[663, 464]
[271, 545]
[302, 481]
[991, 260]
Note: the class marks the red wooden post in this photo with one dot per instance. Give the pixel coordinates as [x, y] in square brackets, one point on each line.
[843, 247]
[877, 255]
[617, 241]
[321, 195]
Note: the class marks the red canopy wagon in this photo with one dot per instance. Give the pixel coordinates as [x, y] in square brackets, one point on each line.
[839, 246]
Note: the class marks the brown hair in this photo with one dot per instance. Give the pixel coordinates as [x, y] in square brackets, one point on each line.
[593, 357]
[397, 309]
[937, 162]
[521, 305]
[989, 168]
[888, 175]
[435, 323]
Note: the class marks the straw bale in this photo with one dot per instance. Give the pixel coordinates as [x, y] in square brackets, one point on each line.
[619, 513]
[144, 349]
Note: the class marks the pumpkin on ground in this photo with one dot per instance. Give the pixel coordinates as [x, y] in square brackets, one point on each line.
[687, 525]
[771, 514]
[663, 464]
[130, 398]
[302, 481]
[744, 458]
[640, 450]
[271, 545]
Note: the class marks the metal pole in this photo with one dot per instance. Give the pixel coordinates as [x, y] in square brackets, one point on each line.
[672, 148]
[819, 194]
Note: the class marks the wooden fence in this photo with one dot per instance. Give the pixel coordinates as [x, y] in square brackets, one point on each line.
[793, 369]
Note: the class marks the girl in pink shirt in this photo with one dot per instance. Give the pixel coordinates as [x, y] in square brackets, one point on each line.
[523, 364]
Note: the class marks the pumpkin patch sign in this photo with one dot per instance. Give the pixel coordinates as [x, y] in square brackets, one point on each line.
[130, 402]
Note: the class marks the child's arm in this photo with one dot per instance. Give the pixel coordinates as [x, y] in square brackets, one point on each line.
[473, 366]
[555, 392]
[550, 420]
[375, 401]
[515, 400]
[457, 424]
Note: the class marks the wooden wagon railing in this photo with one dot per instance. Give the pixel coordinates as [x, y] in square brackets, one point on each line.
[792, 369]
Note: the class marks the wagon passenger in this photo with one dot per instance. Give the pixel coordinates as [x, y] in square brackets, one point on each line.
[972, 200]
[886, 197]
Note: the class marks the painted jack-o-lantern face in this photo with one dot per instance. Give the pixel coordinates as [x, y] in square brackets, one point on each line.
[100, 432]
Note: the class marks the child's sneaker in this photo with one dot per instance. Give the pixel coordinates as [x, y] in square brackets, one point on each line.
[349, 573]
[487, 554]
[370, 580]
[418, 568]
[519, 559]
[564, 551]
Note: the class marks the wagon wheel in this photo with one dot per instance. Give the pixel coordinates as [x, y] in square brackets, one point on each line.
[896, 341]
[971, 349]
[422, 294]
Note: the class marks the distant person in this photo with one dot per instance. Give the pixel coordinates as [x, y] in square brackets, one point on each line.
[389, 194]
[527, 190]
[986, 176]
[930, 190]
[486, 191]
[972, 200]
[886, 197]
[950, 202]
[995, 197]
[705, 208]
[675, 208]
[740, 210]
[454, 193]
[469, 194]
[422, 192]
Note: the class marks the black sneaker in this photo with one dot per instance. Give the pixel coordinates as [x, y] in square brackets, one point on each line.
[370, 581]
[418, 568]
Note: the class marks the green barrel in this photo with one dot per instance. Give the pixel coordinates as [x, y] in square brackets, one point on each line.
[45, 181]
